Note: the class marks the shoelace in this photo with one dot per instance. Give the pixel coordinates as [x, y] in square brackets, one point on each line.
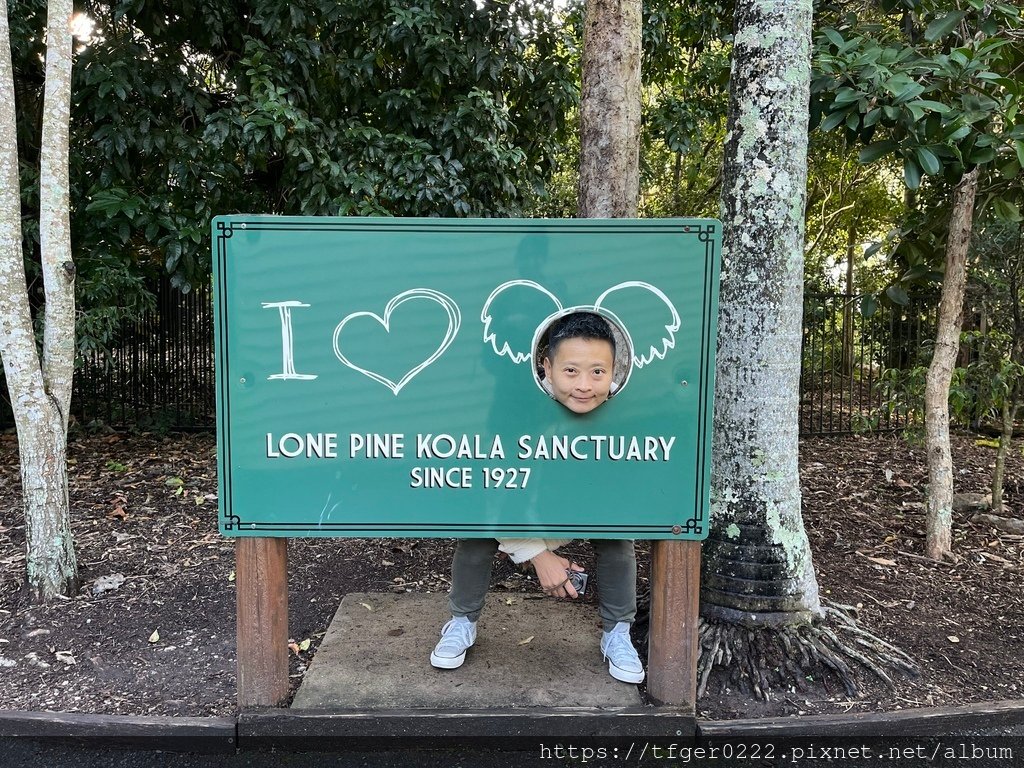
[457, 630]
[619, 645]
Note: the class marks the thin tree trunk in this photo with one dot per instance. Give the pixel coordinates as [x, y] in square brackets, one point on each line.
[610, 110]
[851, 252]
[939, 520]
[54, 209]
[40, 392]
[677, 180]
[1009, 413]
[757, 559]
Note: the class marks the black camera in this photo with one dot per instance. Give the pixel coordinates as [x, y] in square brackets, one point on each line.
[578, 579]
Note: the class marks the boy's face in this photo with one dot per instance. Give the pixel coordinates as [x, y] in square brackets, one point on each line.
[580, 373]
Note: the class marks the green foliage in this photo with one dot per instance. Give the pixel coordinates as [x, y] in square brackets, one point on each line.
[686, 87]
[848, 205]
[927, 90]
[997, 370]
[186, 110]
[992, 377]
[685, 71]
[939, 106]
[902, 393]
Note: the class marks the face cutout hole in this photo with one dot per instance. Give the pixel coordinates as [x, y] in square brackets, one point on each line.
[583, 358]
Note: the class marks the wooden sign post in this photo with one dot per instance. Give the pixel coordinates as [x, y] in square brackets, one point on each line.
[261, 581]
[673, 645]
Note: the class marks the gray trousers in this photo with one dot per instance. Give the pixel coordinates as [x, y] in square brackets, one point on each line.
[616, 577]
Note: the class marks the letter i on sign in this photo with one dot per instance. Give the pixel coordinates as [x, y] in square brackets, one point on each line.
[284, 308]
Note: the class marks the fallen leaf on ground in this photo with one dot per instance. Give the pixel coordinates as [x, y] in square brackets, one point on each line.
[878, 560]
[367, 606]
[107, 583]
[155, 636]
[524, 642]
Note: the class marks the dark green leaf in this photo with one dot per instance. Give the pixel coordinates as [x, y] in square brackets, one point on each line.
[1010, 170]
[927, 160]
[833, 120]
[934, 106]
[877, 150]
[943, 25]
[981, 155]
[868, 305]
[845, 96]
[897, 295]
[834, 37]
[911, 173]
[915, 273]
[1006, 210]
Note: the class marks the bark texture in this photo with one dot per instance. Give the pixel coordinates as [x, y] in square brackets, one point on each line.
[40, 390]
[939, 519]
[610, 110]
[757, 560]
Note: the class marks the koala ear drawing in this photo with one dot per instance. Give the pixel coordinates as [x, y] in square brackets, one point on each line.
[511, 314]
[651, 318]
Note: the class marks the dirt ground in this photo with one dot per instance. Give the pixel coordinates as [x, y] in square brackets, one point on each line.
[152, 630]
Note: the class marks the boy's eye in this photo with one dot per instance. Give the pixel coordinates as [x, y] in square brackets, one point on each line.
[599, 371]
[570, 370]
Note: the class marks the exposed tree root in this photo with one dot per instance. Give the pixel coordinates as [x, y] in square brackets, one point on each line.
[777, 658]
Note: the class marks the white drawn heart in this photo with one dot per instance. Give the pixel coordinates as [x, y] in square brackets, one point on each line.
[454, 321]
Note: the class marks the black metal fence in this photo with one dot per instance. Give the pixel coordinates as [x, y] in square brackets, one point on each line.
[159, 375]
[854, 366]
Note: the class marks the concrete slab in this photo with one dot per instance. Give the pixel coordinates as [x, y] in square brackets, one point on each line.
[375, 655]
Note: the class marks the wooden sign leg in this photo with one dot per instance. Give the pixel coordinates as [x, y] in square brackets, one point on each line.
[261, 584]
[673, 645]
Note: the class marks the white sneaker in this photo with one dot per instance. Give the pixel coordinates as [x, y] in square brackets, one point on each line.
[623, 661]
[457, 636]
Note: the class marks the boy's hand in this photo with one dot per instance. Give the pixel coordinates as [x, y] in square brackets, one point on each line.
[551, 570]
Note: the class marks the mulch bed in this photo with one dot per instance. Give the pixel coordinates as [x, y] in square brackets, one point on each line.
[152, 631]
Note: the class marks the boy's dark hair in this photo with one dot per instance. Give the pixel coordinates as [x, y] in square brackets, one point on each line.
[579, 325]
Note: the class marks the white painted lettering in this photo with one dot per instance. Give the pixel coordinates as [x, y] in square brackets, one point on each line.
[284, 309]
[524, 446]
[441, 477]
[650, 448]
[576, 453]
[375, 446]
[666, 446]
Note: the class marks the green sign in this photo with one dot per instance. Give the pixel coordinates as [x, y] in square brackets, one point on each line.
[467, 378]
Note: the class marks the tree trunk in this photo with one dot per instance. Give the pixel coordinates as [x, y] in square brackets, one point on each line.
[40, 391]
[1009, 413]
[939, 520]
[610, 110]
[757, 559]
[848, 307]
